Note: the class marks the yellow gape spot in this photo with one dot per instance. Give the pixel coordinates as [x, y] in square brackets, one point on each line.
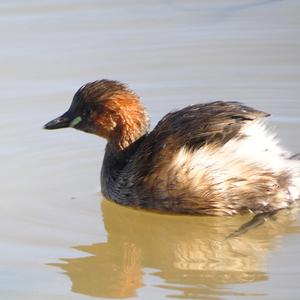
[75, 121]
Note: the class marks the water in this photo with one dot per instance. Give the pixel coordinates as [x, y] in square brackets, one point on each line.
[58, 238]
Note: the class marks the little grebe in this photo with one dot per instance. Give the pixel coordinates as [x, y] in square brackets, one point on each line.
[208, 159]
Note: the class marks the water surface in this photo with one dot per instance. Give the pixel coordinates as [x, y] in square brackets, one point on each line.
[59, 238]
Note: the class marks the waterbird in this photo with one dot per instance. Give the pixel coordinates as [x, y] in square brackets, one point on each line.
[214, 158]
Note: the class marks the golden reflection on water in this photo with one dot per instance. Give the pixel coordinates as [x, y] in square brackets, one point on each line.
[192, 256]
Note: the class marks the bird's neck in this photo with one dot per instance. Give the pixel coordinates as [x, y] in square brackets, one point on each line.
[114, 165]
[123, 122]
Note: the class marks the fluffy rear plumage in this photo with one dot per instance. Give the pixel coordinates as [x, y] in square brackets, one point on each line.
[215, 159]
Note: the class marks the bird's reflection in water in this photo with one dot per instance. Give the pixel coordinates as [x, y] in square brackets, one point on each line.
[192, 256]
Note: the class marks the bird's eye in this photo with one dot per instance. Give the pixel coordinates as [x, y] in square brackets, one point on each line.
[87, 112]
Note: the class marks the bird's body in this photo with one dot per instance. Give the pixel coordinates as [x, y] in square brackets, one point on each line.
[208, 159]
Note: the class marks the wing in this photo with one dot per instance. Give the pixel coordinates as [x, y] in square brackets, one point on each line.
[195, 126]
[156, 181]
[200, 124]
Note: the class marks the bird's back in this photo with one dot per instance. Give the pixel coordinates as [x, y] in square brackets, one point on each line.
[214, 158]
